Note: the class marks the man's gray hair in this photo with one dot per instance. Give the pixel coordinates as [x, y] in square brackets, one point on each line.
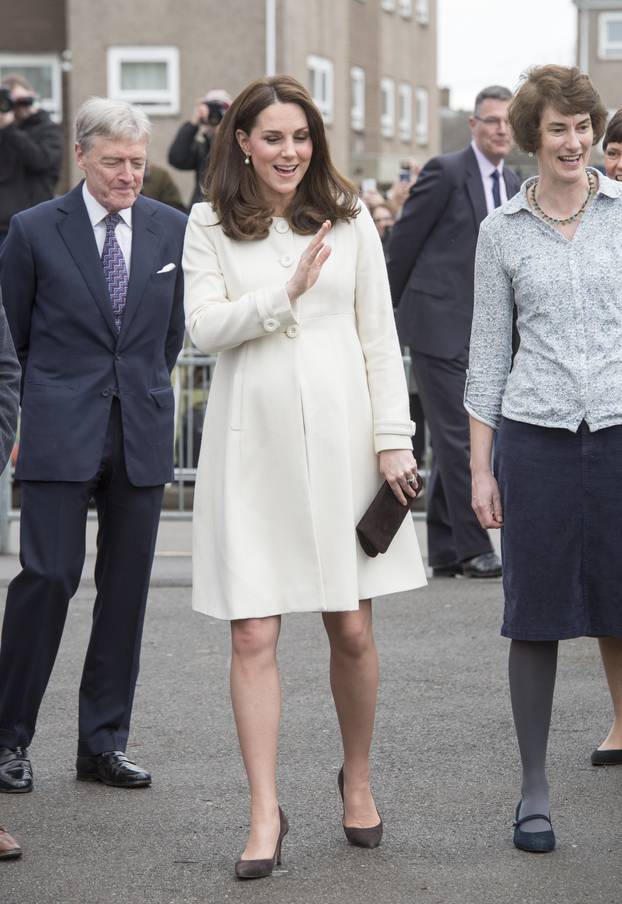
[116, 119]
[492, 92]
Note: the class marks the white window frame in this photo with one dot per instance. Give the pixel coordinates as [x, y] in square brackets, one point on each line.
[422, 11]
[159, 102]
[387, 119]
[13, 62]
[388, 5]
[405, 8]
[357, 88]
[322, 67]
[405, 111]
[608, 50]
[422, 120]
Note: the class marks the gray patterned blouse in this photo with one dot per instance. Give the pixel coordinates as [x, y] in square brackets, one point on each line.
[568, 295]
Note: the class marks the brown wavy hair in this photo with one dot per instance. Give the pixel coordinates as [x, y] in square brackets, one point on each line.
[234, 189]
[565, 88]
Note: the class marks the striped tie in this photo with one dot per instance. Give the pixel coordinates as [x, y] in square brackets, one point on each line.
[115, 270]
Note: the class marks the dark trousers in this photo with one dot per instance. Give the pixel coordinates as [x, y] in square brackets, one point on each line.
[52, 550]
[454, 533]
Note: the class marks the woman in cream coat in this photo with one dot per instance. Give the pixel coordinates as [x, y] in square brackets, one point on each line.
[308, 411]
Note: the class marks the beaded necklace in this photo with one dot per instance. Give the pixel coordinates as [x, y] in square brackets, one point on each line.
[561, 221]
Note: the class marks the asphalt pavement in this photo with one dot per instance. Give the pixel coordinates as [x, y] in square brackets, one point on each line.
[445, 767]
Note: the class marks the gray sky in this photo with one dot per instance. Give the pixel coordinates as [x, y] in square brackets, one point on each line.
[484, 42]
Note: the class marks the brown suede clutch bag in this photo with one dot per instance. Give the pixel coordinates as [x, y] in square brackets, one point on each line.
[382, 519]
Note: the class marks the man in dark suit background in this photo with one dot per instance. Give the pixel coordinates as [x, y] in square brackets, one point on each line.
[431, 262]
[93, 291]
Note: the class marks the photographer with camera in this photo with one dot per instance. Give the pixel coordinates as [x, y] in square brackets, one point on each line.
[30, 150]
[191, 146]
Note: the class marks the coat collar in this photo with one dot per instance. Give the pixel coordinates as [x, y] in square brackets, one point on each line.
[77, 232]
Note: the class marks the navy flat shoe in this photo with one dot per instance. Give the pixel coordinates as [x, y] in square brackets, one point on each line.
[534, 842]
[607, 757]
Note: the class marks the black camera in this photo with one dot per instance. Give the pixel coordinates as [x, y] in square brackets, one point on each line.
[216, 111]
[7, 103]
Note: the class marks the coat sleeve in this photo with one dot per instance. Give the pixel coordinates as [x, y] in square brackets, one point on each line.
[9, 390]
[376, 329]
[183, 152]
[215, 321]
[18, 281]
[424, 207]
[42, 153]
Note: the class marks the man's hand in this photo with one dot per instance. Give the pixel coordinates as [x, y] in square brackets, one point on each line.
[6, 119]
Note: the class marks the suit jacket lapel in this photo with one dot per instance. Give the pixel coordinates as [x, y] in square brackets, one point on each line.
[475, 188]
[77, 233]
[512, 182]
[146, 236]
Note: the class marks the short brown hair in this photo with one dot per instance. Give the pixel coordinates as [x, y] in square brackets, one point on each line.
[614, 130]
[565, 88]
[233, 188]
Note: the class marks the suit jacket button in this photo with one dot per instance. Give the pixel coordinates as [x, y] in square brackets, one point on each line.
[270, 324]
[105, 393]
[117, 357]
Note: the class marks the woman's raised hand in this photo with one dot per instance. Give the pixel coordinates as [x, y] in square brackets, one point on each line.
[311, 262]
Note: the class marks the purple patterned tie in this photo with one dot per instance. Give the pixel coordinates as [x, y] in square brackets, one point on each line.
[115, 270]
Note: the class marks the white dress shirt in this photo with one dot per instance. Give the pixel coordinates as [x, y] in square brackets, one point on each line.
[486, 168]
[123, 232]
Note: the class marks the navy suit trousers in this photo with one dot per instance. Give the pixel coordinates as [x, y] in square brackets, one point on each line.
[52, 552]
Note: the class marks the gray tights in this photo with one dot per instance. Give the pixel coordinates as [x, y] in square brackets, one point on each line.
[532, 668]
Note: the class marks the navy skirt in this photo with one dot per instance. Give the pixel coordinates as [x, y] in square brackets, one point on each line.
[561, 539]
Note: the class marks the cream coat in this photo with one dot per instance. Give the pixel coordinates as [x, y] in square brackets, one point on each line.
[303, 396]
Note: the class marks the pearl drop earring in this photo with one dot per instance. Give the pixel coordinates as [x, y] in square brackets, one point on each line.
[247, 159]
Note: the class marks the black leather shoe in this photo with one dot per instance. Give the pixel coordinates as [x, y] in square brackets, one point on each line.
[447, 571]
[15, 770]
[112, 768]
[610, 757]
[533, 842]
[488, 565]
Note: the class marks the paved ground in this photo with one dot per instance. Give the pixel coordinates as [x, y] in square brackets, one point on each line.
[445, 768]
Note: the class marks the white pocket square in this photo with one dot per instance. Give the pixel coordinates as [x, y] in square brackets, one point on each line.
[166, 268]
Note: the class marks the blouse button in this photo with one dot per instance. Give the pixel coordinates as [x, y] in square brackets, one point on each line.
[286, 260]
[292, 331]
[270, 324]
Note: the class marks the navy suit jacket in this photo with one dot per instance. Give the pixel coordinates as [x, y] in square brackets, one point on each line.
[431, 254]
[73, 360]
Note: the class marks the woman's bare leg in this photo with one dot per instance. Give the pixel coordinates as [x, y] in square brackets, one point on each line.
[256, 698]
[354, 683]
[611, 654]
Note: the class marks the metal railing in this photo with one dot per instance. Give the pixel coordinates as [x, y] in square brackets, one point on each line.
[191, 384]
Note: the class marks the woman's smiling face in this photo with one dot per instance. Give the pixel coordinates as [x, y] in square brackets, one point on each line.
[280, 149]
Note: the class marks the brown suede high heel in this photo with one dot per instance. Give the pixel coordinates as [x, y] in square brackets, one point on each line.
[365, 838]
[260, 869]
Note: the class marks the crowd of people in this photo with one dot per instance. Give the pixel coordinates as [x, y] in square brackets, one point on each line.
[308, 288]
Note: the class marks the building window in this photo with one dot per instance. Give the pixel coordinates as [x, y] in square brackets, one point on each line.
[357, 112]
[389, 5]
[610, 36]
[145, 76]
[422, 11]
[422, 122]
[405, 8]
[405, 120]
[43, 71]
[321, 85]
[387, 107]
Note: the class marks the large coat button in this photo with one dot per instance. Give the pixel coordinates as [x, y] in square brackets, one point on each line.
[282, 226]
[292, 331]
[270, 324]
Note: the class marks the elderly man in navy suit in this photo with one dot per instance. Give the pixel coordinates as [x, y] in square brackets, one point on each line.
[431, 262]
[93, 292]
